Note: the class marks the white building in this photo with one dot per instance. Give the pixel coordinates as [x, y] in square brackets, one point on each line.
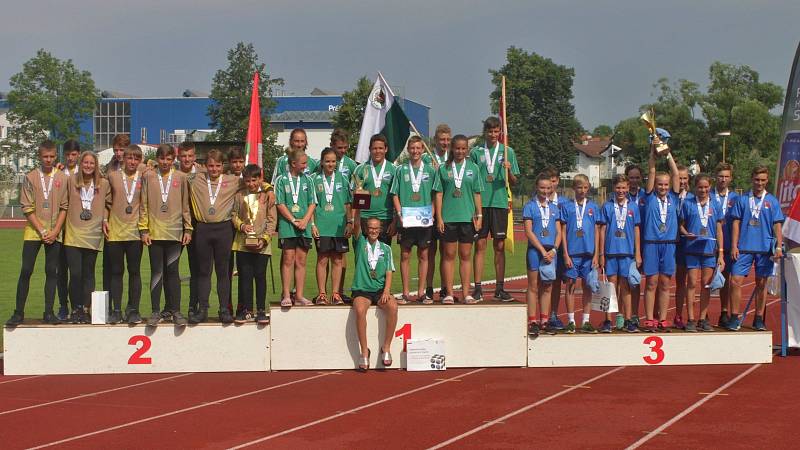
[590, 161]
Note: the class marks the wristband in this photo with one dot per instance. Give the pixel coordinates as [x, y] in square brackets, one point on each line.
[479, 215]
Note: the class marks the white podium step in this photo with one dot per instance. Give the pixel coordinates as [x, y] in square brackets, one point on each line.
[325, 338]
[86, 349]
[648, 349]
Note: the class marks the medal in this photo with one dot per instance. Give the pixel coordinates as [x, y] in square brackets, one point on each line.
[619, 216]
[415, 197]
[129, 209]
[377, 192]
[544, 212]
[46, 190]
[86, 214]
[619, 234]
[754, 222]
[489, 178]
[377, 178]
[663, 208]
[545, 233]
[129, 191]
[579, 211]
[165, 189]
[46, 205]
[295, 208]
[212, 197]
[416, 181]
[163, 207]
[373, 274]
[457, 193]
[372, 258]
[87, 196]
[662, 227]
[755, 209]
[458, 177]
[579, 233]
[329, 207]
[328, 190]
[491, 159]
[704, 231]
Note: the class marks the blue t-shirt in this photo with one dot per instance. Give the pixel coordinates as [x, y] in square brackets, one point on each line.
[616, 245]
[725, 205]
[580, 245]
[532, 212]
[690, 216]
[652, 230]
[757, 237]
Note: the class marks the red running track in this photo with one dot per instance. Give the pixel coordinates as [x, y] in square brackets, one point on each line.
[656, 407]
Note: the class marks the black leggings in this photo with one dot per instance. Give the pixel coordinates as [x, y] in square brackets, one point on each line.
[165, 259]
[252, 267]
[107, 270]
[30, 250]
[81, 263]
[212, 250]
[120, 253]
[63, 279]
[193, 273]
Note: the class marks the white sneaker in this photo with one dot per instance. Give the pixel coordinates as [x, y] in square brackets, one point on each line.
[448, 300]
[470, 300]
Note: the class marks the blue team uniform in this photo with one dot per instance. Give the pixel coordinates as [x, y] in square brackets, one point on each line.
[658, 248]
[580, 241]
[756, 234]
[619, 244]
[725, 205]
[700, 253]
[680, 257]
[546, 236]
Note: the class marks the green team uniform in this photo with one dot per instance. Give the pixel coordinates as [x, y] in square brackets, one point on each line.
[346, 166]
[495, 194]
[380, 205]
[427, 158]
[283, 196]
[331, 223]
[282, 167]
[458, 209]
[363, 280]
[401, 186]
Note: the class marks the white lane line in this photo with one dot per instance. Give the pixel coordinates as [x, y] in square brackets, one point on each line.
[91, 394]
[179, 411]
[528, 407]
[353, 410]
[688, 410]
[21, 379]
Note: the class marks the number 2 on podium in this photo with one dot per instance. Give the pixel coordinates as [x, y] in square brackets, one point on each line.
[137, 356]
[405, 333]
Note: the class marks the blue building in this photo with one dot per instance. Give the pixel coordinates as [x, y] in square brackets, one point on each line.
[171, 119]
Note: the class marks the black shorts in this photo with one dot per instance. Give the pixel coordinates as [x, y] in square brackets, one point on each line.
[326, 244]
[295, 242]
[495, 220]
[463, 232]
[419, 236]
[373, 297]
[384, 236]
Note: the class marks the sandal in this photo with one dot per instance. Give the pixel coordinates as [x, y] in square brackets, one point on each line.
[286, 303]
[337, 299]
[664, 326]
[427, 300]
[363, 362]
[449, 300]
[321, 299]
[386, 358]
[403, 300]
[302, 301]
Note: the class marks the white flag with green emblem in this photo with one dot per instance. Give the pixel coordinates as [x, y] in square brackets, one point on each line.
[383, 115]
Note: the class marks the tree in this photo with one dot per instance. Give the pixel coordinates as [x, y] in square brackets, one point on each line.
[351, 112]
[541, 118]
[49, 98]
[602, 131]
[231, 89]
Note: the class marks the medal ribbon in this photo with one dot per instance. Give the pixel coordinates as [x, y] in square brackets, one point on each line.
[416, 181]
[579, 213]
[490, 161]
[723, 200]
[328, 188]
[87, 196]
[663, 207]
[372, 254]
[165, 190]
[703, 211]
[620, 211]
[377, 178]
[46, 191]
[295, 189]
[755, 209]
[212, 198]
[458, 175]
[129, 191]
[545, 213]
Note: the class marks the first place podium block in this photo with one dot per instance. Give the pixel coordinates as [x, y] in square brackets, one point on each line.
[88, 349]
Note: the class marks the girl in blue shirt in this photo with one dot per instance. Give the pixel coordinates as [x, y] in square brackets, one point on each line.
[636, 196]
[540, 218]
[701, 228]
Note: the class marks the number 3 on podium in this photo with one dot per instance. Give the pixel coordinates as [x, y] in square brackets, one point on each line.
[656, 355]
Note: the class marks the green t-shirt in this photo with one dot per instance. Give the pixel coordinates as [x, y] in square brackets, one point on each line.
[282, 167]
[380, 205]
[331, 223]
[427, 158]
[458, 209]
[402, 186]
[495, 194]
[346, 166]
[362, 280]
[305, 198]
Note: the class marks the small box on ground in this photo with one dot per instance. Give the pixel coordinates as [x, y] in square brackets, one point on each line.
[99, 307]
[425, 354]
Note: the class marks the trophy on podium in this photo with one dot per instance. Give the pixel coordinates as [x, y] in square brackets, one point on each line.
[649, 119]
[251, 240]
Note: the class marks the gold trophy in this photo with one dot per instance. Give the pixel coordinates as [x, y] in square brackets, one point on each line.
[251, 240]
[649, 119]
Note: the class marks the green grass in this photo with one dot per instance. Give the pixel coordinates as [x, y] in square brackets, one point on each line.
[11, 243]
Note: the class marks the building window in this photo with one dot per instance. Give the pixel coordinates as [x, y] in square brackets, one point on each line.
[110, 119]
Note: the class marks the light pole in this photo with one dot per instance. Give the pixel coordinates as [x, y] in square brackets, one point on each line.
[724, 134]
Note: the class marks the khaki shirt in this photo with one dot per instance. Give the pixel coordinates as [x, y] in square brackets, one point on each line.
[86, 233]
[33, 202]
[201, 201]
[169, 225]
[123, 226]
[264, 221]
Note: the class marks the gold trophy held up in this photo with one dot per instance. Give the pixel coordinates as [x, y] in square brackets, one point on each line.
[649, 119]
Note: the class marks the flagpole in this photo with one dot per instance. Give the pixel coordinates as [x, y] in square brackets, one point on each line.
[505, 136]
[427, 149]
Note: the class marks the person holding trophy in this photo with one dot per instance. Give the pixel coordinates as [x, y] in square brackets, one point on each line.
[254, 219]
[413, 205]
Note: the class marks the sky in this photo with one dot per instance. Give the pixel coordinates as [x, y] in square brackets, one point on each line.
[435, 52]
